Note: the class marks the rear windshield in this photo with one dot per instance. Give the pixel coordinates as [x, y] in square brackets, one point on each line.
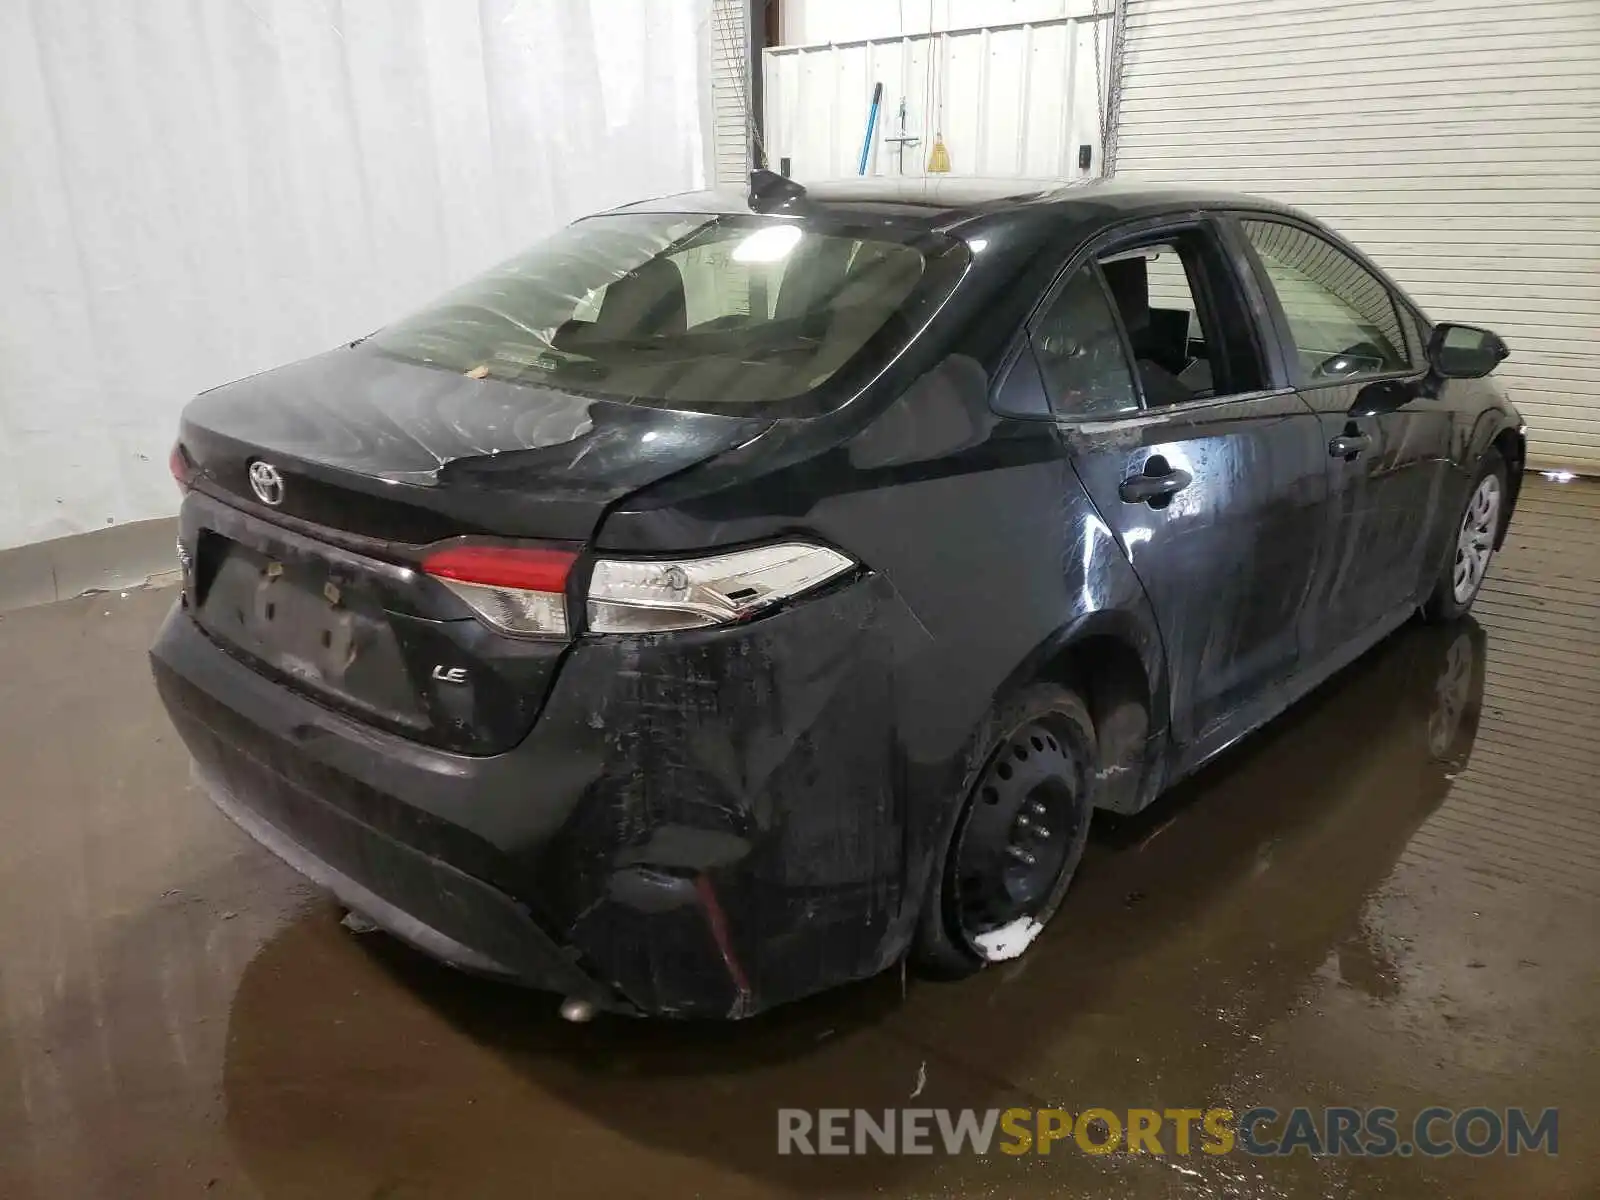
[692, 310]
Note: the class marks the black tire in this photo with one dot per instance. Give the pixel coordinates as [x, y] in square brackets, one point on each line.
[1444, 603]
[1043, 743]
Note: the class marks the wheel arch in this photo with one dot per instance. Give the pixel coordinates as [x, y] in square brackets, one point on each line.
[1115, 663]
[1497, 430]
[1513, 447]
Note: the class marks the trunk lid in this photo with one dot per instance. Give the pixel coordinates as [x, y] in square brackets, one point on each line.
[374, 459]
[376, 447]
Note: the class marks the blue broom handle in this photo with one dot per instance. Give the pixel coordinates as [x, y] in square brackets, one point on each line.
[872, 121]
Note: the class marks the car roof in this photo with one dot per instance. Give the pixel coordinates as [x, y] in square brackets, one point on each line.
[951, 203]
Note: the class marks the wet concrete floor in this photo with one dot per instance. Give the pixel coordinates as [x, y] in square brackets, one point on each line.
[1388, 898]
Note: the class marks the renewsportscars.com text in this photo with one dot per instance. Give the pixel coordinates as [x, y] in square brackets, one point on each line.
[1341, 1131]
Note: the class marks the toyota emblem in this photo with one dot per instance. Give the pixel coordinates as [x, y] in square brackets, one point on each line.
[266, 481]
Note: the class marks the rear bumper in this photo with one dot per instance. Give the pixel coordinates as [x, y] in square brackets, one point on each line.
[700, 825]
[434, 896]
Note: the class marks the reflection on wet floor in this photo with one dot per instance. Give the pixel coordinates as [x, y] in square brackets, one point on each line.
[1387, 898]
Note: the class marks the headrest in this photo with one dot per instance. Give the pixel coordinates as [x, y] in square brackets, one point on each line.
[813, 275]
[647, 301]
[1129, 281]
[878, 272]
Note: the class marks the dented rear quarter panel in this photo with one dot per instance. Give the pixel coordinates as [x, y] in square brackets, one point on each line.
[832, 740]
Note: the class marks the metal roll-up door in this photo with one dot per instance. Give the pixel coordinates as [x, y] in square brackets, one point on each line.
[730, 91]
[1456, 141]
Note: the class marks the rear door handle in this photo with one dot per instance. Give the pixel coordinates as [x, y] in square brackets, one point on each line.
[1348, 445]
[1142, 489]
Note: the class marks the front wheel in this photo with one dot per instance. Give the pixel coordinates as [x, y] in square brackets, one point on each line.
[1467, 563]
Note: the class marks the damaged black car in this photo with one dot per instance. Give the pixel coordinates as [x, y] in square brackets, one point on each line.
[739, 594]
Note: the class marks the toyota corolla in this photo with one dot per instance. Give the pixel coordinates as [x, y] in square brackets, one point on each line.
[739, 594]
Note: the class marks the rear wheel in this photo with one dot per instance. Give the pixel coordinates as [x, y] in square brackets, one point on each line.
[1467, 562]
[1018, 839]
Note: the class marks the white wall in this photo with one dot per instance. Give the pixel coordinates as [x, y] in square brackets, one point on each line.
[1006, 99]
[810, 21]
[190, 192]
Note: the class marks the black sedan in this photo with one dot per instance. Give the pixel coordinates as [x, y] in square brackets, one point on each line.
[735, 595]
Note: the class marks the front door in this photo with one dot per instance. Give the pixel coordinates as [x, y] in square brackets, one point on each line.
[1213, 483]
[1387, 441]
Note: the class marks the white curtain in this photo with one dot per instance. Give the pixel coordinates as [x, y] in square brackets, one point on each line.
[193, 190]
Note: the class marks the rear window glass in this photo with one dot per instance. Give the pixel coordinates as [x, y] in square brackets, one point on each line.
[679, 309]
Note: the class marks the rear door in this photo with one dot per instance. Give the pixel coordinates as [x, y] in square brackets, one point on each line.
[1361, 370]
[1212, 479]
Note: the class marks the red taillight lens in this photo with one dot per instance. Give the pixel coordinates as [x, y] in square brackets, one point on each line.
[538, 570]
[517, 589]
[182, 469]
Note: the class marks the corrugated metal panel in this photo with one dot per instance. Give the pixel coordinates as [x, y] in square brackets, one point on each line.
[730, 89]
[1016, 99]
[1456, 141]
[806, 21]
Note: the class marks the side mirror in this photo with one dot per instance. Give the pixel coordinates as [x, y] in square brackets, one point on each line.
[1465, 351]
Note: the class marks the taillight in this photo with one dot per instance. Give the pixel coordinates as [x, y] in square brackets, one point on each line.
[180, 466]
[517, 589]
[630, 596]
[523, 590]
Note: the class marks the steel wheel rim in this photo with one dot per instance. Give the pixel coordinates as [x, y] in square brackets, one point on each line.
[1475, 539]
[1019, 831]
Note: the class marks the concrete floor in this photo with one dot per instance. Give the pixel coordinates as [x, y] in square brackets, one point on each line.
[1330, 916]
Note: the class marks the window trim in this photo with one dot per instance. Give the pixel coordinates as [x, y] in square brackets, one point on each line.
[1259, 300]
[1092, 265]
[1165, 412]
[1208, 223]
[1284, 334]
[1205, 302]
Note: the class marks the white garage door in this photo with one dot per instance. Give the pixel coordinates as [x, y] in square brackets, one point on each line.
[729, 29]
[1456, 141]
